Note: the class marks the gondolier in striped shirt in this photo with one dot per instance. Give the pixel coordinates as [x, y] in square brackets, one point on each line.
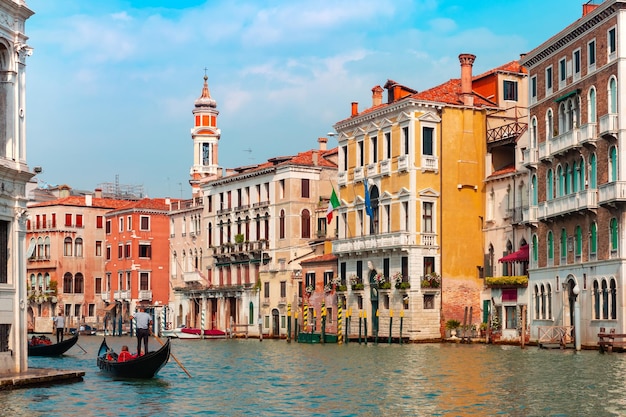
[144, 322]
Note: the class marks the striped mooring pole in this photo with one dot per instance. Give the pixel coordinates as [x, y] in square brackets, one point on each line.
[390, 325]
[296, 331]
[202, 322]
[305, 317]
[365, 326]
[339, 319]
[323, 318]
[163, 318]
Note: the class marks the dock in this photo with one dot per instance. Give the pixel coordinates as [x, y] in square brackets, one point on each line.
[35, 377]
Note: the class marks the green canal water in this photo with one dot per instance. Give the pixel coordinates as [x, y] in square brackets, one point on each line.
[276, 378]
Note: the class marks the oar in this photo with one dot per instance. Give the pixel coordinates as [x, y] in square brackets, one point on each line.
[81, 348]
[172, 355]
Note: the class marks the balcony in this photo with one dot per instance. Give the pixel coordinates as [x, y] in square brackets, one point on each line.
[122, 295]
[193, 276]
[428, 239]
[588, 134]
[145, 295]
[531, 157]
[385, 167]
[342, 178]
[571, 203]
[544, 151]
[358, 174]
[106, 296]
[385, 241]
[372, 169]
[403, 163]
[565, 142]
[430, 163]
[524, 215]
[609, 125]
[612, 192]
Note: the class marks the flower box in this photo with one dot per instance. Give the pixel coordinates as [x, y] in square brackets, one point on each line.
[358, 286]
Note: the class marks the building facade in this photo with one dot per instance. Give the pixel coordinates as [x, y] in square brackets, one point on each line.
[14, 175]
[577, 257]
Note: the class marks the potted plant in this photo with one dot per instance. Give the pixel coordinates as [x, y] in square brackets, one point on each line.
[483, 329]
[397, 279]
[431, 280]
[382, 281]
[451, 327]
[356, 283]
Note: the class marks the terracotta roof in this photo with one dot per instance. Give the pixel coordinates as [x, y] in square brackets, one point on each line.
[327, 257]
[303, 159]
[79, 201]
[509, 169]
[146, 203]
[513, 66]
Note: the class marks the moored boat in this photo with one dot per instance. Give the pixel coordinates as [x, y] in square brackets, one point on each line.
[145, 366]
[52, 349]
[206, 334]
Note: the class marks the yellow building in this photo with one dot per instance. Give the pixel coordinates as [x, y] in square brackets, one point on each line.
[419, 251]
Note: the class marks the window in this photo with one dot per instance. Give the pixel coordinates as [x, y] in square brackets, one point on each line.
[427, 217]
[387, 145]
[78, 247]
[427, 141]
[68, 219]
[283, 289]
[591, 55]
[67, 246]
[613, 232]
[108, 253]
[281, 225]
[534, 249]
[306, 224]
[549, 80]
[405, 140]
[374, 148]
[591, 113]
[511, 316]
[79, 283]
[510, 90]
[549, 124]
[429, 301]
[144, 223]
[578, 245]
[98, 248]
[120, 251]
[108, 227]
[127, 250]
[266, 289]
[576, 64]
[67, 283]
[533, 191]
[79, 220]
[563, 246]
[145, 250]
[98, 285]
[533, 89]
[612, 96]
[562, 73]
[345, 157]
[550, 248]
[121, 224]
[129, 223]
[593, 240]
[305, 187]
[4, 251]
[360, 151]
[309, 280]
[99, 220]
[612, 43]
[613, 164]
[144, 281]
[592, 172]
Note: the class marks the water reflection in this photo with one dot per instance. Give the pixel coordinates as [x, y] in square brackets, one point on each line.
[245, 377]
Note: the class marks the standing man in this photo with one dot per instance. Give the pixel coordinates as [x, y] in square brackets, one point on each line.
[59, 323]
[144, 322]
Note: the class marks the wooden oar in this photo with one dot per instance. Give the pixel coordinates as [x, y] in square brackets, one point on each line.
[81, 348]
[172, 355]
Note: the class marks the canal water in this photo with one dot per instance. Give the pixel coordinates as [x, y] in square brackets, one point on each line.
[275, 378]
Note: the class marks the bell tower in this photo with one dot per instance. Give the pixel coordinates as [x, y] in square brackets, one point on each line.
[205, 135]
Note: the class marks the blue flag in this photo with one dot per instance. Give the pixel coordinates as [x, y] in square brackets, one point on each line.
[368, 203]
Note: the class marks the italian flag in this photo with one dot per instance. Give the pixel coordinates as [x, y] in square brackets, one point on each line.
[332, 205]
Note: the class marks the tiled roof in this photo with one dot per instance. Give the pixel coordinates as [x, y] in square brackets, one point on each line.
[327, 257]
[79, 201]
[509, 169]
[147, 203]
[303, 159]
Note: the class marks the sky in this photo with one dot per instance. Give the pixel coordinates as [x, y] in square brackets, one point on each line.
[111, 84]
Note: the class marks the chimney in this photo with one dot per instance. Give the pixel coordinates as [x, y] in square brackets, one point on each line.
[588, 8]
[466, 60]
[377, 96]
[88, 200]
[315, 157]
[355, 108]
[322, 142]
[98, 193]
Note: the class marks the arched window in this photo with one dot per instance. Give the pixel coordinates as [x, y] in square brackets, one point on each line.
[550, 247]
[613, 232]
[605, 300]
[567, 173]
[593, 240]
[593, 179]
[33, 281]
[575, 176]
[266, 226]
[533, 184]
[596, 300]
[613, 164]
[612, 96]
[281, 225]
[537, 302]
[561, 178]
[533, 133]
[67, 283]
[581, 174]
[79, 282]
[549, 185]
[39, 252]
[549, 309]
[549, 124]
[78, 247]
[40, 284]
[46, 248]
[562, 119]
[613, 297]
[579, 242]
[591, 111]
[306, 224]
[67, 246]
[563, 246]
[535, 249]
[543, 302]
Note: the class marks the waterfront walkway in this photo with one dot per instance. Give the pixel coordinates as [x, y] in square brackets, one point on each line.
[37, 377]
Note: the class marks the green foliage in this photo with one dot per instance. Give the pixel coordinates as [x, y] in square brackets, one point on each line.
[519, 280]
[239, 238]
[452, 324]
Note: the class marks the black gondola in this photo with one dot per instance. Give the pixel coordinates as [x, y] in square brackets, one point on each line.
[56, 349]
[145, 366]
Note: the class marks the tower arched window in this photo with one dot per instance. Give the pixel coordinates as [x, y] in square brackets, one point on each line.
[561, 179]
[612, 96]
[281, 225]
[596, 300]
[533, 133]
[591, 112]
[306, 224]
[533, 184]
[535, 251]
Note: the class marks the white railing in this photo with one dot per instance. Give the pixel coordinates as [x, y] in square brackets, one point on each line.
[430, 163]
[193, 276]
[372, 169]
[531, 156]
[372, 242]
[358, 174]
[342, 178]
[428, 239]
[612, 191]
[586, 199]
[561, 143]
[385, 167]
[145, 295]
[588, 133]
[106, 296]
[608, 124]
[403, 163]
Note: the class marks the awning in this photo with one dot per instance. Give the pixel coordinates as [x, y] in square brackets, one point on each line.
[110, 307]
[567, 95]
[31, 249]
[520, 256]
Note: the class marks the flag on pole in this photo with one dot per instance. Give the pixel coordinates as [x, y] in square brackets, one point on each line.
[332, 205]
[368, 202]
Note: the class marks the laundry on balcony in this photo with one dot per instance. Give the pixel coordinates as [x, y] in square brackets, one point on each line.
[519, 256]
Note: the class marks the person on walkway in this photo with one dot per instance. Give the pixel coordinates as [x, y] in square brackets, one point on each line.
[144, 322]
[59, 323]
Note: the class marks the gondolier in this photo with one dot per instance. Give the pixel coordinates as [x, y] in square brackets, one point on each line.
[143, 321]
[59, 323]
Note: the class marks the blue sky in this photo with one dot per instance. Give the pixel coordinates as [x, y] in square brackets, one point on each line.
[111, 84]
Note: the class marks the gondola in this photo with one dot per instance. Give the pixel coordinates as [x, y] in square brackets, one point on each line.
[144, 367]
[56, 349]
